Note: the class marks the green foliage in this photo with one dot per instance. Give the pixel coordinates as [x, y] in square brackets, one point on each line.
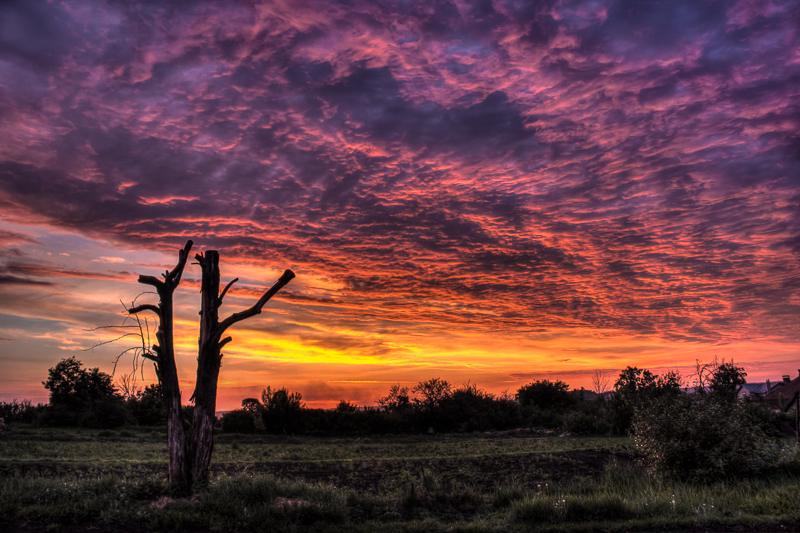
[239, 421]
[417, 492]
[147, 406]
[726, 378]
[428, 493]
[703, 438]
[585, 422]
[82, 397]
[635, 388]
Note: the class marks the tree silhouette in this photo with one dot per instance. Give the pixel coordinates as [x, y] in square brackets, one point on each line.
[190, 448]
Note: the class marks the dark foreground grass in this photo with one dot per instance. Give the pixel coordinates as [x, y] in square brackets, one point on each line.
[623, 497]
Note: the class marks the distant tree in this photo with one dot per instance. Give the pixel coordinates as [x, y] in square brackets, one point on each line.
[239, 421]
[126, 384]
[147, 406]
[397, 400]
[70, 384]
[546, 394]
[726, 379]
[252, 405]
[82, 397]
[346, 407]
[599, 382]
[282, 409]
[20, 411]
[431, 393]
[636, 388]
[632, 380]
[469, 408]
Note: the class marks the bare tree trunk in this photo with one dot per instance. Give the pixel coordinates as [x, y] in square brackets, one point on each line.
[209, 361]
[163, 355]
[189, 458]
[209, 358]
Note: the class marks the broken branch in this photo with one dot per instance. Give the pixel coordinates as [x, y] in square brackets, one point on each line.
[228, 286]
[145, 307]
[287, 276]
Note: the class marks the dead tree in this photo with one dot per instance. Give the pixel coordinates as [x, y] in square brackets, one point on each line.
[190, 448]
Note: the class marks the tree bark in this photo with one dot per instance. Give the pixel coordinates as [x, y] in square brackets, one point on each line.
[209, 358]
[190, 455]
[167, 371]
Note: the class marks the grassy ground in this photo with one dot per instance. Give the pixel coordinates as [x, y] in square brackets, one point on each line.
[65, 479]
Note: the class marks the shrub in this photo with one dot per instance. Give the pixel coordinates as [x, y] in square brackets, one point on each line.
[702, 438]
[282, 410]
[545, 394]
[583, 423]
[147, 406]
[82, 397]
[636, 388]
[19, 411]
[239, 421]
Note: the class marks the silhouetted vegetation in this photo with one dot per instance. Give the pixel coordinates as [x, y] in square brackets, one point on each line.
[708, 435]
[635, 390]
[147, 406]
[20, 411]
[82, 397]
[433, 404]
[698, 458]
[702, 436]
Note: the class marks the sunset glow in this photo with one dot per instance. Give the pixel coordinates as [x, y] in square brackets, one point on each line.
[493, 191]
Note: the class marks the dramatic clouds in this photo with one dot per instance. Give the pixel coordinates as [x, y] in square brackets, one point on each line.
[625, 169]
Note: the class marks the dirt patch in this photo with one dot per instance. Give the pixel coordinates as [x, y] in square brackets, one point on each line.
[483, 473]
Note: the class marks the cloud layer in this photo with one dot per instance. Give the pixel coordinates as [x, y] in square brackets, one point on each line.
[620, 166]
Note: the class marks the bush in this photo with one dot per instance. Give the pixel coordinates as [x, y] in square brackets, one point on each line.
[84, 397]
[546, 395]
[636, 388]
[239, 421]
[583, 423]
[147, 406]
[698, 437]
[282, 410]
[19, 411]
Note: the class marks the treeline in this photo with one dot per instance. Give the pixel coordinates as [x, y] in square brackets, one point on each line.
[432, 405]
[89, 398]
[706, 435]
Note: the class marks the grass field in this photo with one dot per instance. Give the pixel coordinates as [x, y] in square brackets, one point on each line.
[65, 479]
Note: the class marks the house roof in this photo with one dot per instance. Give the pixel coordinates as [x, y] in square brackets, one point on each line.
[760, 388]
[786, 391]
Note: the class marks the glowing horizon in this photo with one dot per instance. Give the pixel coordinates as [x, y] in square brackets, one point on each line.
[487, 191]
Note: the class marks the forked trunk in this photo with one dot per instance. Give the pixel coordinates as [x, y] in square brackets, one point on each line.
[190, 455]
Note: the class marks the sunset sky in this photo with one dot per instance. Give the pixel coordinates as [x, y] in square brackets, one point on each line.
[496, 191]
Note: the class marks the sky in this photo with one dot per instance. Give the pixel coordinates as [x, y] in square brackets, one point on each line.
[490, 192]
